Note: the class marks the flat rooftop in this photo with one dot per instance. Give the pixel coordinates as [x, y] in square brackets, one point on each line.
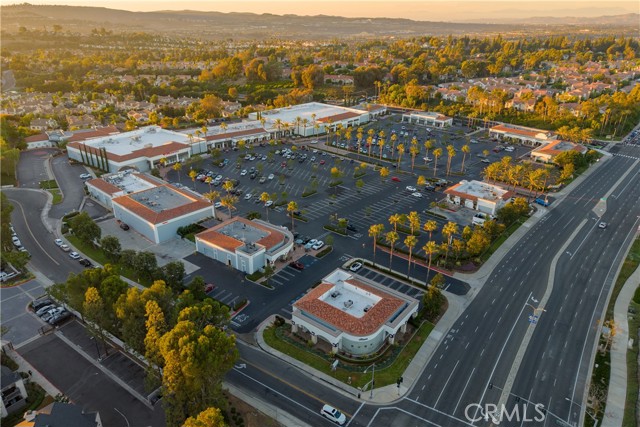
[143, 138]
[305, 111]
[248, 236]
[350, 299]
[429, 115]
[479, 190]
[160, 199]
[129, 182]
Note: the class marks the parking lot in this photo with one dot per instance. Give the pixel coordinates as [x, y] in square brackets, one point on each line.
[21, 325]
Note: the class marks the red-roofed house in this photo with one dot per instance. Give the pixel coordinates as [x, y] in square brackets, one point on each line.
[245, 245]
[547, 153]
[353, 314]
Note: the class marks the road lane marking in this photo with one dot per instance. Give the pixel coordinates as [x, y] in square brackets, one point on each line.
[31, 232]
[446, 383]
[463, 390]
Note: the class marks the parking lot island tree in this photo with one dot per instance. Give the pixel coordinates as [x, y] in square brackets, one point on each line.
[94, 311]
[291, 208]
[414, 221]
[111, 247]
[451, 153]
[421, 181]
[229, 201]
[400, 154]
[394, 220]
[264, 198]
[449, 230]
[430, 249]
[177, 166]
[193, 174]
[436, 153]
[391, 238]
[375, 231]
[410, 242]
[465, 151]
[384, 172]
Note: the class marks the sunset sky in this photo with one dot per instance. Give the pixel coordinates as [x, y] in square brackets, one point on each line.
[451, 10]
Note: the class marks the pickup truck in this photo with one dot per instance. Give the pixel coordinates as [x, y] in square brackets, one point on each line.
[543, 202]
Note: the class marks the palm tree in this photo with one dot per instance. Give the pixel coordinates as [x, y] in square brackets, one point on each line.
[394, 220]
[410, 242]
[465, 150]
[391, 238]
[291, 208]
[264, 198]
[414, 221]
[421, 181]
[430, 226]
[375, 231]
[449, 229]
[436, 153]
[414, 150]
[305, 123]
[400, 154]
[229, 202]
[177, 167]
[227, 186]
[430, 248]
[297, 121]
[428, 145]
[193, 174]
[451, 152]
[381, 146]
[394, 138]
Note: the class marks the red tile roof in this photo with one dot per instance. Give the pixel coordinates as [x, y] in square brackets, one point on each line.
[104, 186]
[37, 138]
[95, 133]
[160, 150]
[369, 323]
[214, 237]
[454, 192]
[155, 217]
[551, 149]
[338, 117]
[228, 135]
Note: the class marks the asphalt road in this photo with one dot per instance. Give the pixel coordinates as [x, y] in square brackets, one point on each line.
[46, 257]
[68, 179]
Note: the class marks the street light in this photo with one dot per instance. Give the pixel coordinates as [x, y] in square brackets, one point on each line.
[373, 372]
[595, 420]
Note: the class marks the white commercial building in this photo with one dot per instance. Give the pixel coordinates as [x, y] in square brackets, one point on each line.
[523, 135]
[477, 195]
[141, 149]
[548, 152]
[150, 206]
[312, 118]
[354, 315]
[228, 135]
[428, 118]
[245, 245]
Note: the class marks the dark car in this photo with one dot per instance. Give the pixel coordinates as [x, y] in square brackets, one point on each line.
[352, 228]
[59, 318]
[253, 176]
[297, 265]
[124, 226]
[430, 188]
[38, 304]
[85, 262]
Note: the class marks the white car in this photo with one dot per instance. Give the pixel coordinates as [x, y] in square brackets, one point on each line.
[602, 225]
[74, 255]
[58, 242]
[318, 245]
[355, 266]
[65, 248]
[16, 241]
[271, 176]
[248, 196]
[333, 414]
[410, 188]
[313, 141]
[485, 161]
[217, 205]
[243, 173]
[509, 149]
[268, 203]
[85, 176]
[427, 159]
[416, 194]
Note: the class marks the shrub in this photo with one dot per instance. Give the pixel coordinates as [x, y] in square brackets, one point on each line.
[189, 229]
[636, 296]
[237, 306]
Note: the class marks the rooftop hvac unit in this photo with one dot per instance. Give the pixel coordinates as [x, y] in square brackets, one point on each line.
[367, 308]
[335, 294]
[348, 304]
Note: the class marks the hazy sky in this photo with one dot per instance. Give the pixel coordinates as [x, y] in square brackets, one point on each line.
[434, 10]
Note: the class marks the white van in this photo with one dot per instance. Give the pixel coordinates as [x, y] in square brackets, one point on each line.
[479, 219]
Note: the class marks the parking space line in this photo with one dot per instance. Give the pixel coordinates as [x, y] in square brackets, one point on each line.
[272, 279]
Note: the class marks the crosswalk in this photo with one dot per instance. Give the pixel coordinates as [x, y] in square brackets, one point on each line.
[626, 156]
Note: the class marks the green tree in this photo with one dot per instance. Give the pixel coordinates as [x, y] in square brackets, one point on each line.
[384, 172]
[375, 230]
[111, 247]
[85, 229]
[410, 242]
[359, 185]
[391, 238]
[430, 249]
[196, 357]
[291, 208]
[145, 264]
[210, 417]
[173, 274]
[95, 312]
[433, 299]
[156, 327]
[5, 219]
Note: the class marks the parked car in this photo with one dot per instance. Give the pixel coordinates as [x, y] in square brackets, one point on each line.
[263, 180]
[58, 242]
[485, 161]
[74, 255]
[395, 179]
[217, 205]
[65, 248]
[59, 318]
[429, 187]
[333, 415]
[271, 176]
[85, 176]
[44, 309]
[16, 242]
[416, 194]
[355, 266]
[297, 265]
[543, 202]
[124, 226]
[319, 244]
[85, 262]
[268, 203]
[209, 287]
[322, 162]
[248, 196]
[352, 228]
[411, 189]
[39, 303]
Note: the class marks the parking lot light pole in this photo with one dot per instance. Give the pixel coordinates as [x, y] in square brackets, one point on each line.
[373, 373]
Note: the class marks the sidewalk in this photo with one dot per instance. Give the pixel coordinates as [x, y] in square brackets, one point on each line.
[36, 376]
[614, 410]
[389, 393]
